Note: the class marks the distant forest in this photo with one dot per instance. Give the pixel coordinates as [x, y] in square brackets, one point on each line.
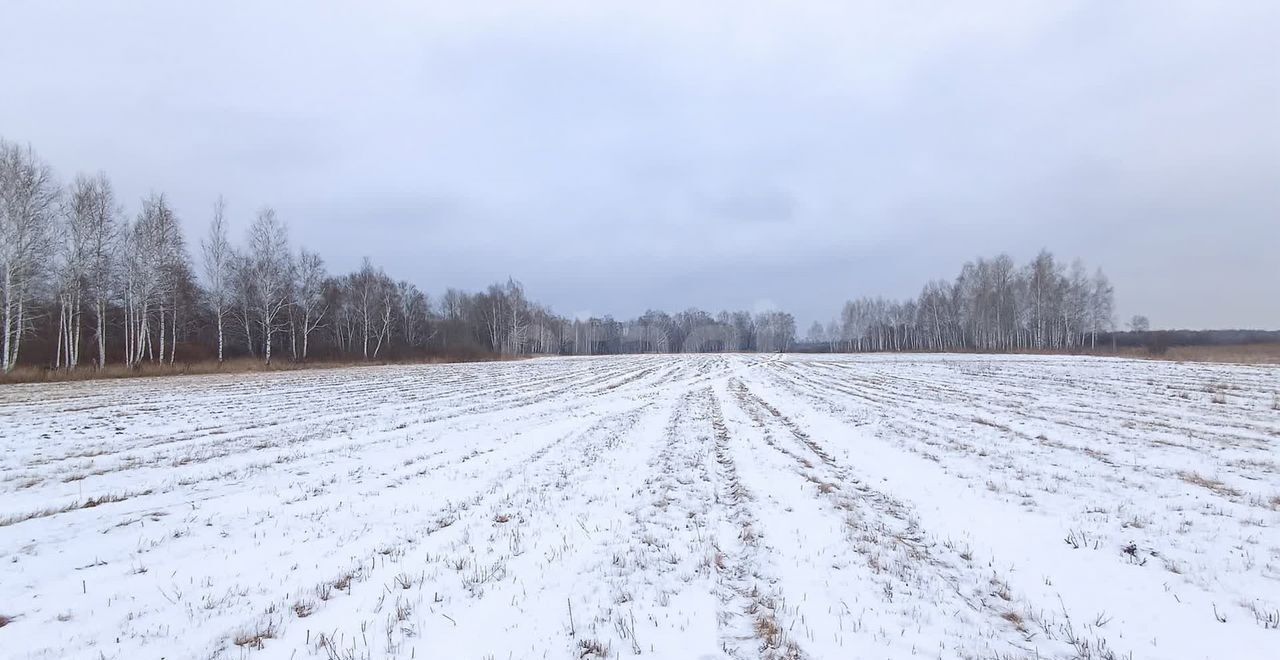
[85, 285]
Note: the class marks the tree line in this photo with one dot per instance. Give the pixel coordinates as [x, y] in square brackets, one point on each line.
[991, 305]
[84, 284]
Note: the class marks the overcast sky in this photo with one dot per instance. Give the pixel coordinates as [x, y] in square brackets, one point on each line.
[618, 156]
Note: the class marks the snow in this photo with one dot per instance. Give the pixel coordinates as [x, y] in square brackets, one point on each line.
[699, 506]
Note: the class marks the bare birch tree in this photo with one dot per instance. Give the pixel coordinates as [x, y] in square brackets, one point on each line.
[271, 271]
[218, 257]
[309, 295]
[28, 205]
[72, 269]
[102, 242]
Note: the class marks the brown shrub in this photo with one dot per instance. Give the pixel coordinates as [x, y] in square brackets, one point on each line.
[1237, 354]
[233, 366]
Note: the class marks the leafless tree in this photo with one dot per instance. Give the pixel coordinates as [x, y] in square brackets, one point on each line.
[74, 260]
[817, 333]
[242, 296]
[309, 295]
[28, 206]
[270, 271]
[414, 309]
[1101, 306]
[154, 270]
[102, 240]
[218, 260]
[992, 305]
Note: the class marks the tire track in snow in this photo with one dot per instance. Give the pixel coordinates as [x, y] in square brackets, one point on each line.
[746, 595]
[898, 558]
[464, 565]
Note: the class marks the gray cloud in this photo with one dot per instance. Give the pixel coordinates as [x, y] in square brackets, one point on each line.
[623, 156]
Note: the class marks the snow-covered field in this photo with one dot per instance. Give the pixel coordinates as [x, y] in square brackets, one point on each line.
[666, 506]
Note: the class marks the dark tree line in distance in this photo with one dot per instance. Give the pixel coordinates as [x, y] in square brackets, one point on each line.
[87, 284]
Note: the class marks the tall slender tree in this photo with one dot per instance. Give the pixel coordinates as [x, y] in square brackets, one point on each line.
[28, 206]
[102, 239]
[218, 259]
[270, 274]
[309, 295]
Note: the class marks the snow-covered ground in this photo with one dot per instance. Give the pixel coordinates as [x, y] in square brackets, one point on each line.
[666, 506]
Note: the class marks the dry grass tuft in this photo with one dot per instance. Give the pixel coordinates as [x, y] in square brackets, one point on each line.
[104, 499]
[55, 510]
[986, 422]
[253, 638]
[1015, 619]
[768, 631]
[592, 648]
[304, 608]
[1211, 484]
